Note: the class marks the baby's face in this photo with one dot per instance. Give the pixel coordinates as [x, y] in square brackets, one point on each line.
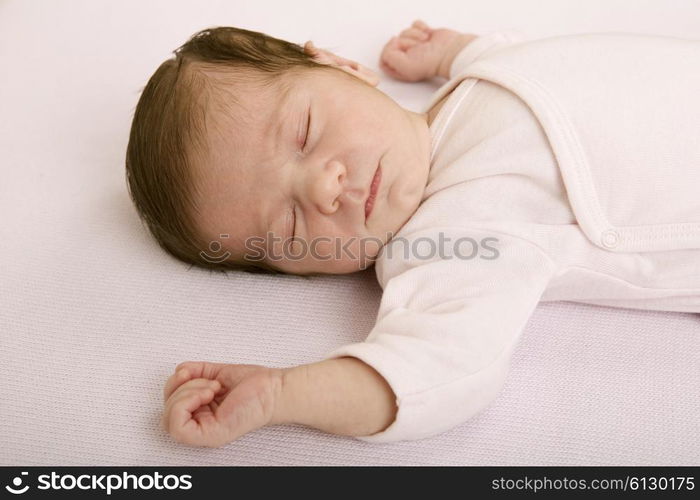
[299, 164]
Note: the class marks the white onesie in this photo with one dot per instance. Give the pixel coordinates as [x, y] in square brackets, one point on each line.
[494, 234]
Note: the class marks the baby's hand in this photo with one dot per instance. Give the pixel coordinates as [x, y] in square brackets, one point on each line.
[211, 404]
[420, 52]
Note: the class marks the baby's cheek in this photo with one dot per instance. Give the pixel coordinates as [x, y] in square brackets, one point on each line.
[322, 247]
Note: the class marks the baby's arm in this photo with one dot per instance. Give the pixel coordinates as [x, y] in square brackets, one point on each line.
[340, 396]
[454, 48]
[211, 404]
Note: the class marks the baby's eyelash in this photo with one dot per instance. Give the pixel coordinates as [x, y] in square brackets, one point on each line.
[308, 128]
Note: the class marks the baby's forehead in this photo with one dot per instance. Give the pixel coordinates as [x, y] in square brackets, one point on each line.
[241, 117]
[235, 135]
[236, 113]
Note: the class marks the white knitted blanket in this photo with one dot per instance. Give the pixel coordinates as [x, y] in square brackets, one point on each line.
[94, 316]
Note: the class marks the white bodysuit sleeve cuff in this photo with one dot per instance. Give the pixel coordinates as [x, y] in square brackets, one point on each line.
[434, 410]
[483, 45]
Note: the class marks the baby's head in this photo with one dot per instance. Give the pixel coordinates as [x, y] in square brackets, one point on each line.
[242, 142]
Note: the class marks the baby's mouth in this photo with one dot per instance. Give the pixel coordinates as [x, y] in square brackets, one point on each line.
[374, 187]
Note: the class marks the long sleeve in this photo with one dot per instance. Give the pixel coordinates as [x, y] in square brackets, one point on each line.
[446, 329]
[483, 45]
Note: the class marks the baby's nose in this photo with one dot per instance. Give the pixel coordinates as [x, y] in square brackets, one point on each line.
[324, 186]
[340, 186]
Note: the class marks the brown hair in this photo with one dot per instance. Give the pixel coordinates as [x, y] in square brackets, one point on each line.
[168, 126]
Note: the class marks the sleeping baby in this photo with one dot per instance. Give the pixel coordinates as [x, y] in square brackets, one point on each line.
[566, 168]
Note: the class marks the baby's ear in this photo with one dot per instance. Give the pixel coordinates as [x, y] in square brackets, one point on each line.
[323, 56]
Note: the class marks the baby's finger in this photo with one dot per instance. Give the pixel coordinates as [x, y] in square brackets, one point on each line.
[406, 43]
[394, 56]
[387, 68]
[421, 25]
[185, 392]
[179, 421]
[176, 380]
[401, 66]
[193, 385]
[415, 34]
[397, 45]
[202, 369]
[190, 385]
